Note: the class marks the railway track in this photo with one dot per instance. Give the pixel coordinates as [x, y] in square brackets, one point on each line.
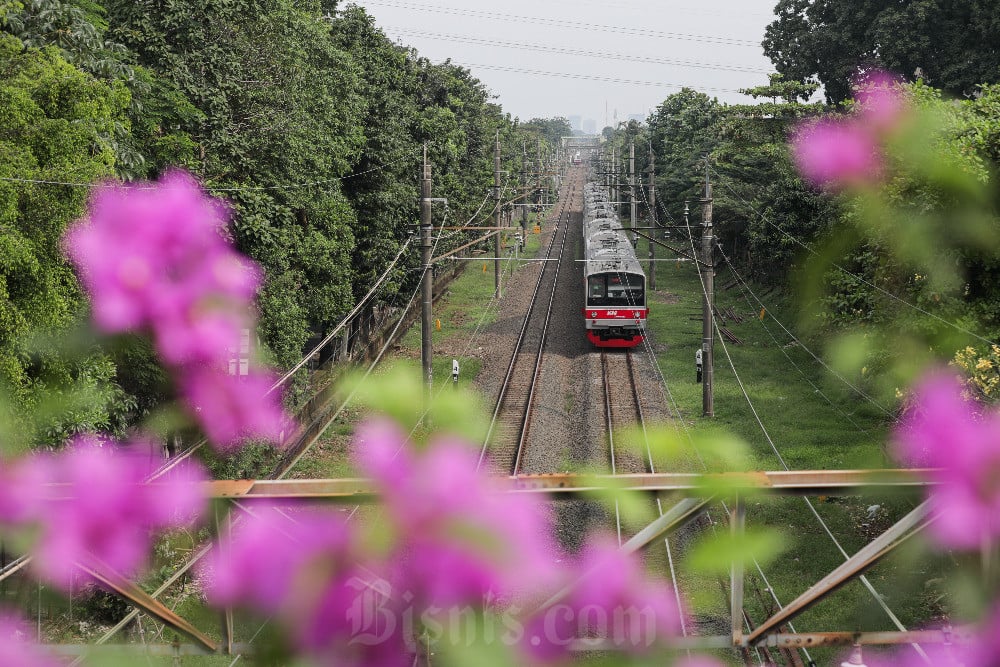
[623, 409]
[510, 424]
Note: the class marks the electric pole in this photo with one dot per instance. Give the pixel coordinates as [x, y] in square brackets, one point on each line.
[707, 270]
[652, 218]
[427, 281]
[538, 183]
[524, 189]
[614, 179]
[499, 218]
[631, 185]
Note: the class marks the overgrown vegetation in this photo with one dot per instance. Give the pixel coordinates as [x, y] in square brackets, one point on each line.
[915, 283]
[304, 115]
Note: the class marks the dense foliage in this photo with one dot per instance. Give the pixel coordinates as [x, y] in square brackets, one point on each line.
[911, 283]
[950, 45]
[304, 115]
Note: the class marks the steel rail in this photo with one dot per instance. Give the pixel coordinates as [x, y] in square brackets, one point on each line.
[609, 420]
[516, 356]
[513, 359]
[537, 371]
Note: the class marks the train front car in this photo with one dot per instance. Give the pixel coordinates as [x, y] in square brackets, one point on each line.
[615, 312]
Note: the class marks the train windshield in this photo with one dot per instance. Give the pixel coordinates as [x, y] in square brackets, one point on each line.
[616, 289]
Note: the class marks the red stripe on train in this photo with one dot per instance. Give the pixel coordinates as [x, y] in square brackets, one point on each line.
[620, 314]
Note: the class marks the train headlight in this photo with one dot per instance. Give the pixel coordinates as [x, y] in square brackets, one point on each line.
[593, 314]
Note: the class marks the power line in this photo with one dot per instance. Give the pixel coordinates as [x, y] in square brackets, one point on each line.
[856, 277]
[542, 48]
[563, 23]
[210, 188]
[593, 77]
[745, 288]
[767, 436]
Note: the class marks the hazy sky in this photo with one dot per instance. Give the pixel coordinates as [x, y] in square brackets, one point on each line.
[624, 55]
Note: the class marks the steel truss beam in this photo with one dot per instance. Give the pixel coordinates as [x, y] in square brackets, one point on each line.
[871, 554]
[795, 482]
[148, 604]
[700, 490]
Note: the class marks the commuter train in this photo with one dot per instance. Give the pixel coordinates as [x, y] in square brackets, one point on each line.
[615, 286]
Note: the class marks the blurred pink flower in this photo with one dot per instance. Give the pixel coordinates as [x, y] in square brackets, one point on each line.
[96, 509]
[881, 101]
[698, 661]
[18, 649]
[836, 153]
[268, 550]
[149, 255]
[232, 409]
[304, 567]
[840, 152]
[943, 430]
[461, 539]
[611, 599]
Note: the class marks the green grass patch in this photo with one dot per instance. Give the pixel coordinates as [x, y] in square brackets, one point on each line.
[802, 416]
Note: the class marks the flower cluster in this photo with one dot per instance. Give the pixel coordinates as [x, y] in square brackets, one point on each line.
[842, 152]
[945, 431]
[981, 371]
[17, 650]
[154, 258]
[90, 505]
[450, 543]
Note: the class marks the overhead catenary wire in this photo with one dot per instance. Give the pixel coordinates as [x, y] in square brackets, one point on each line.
[592, 77]
[588, 53]
[565, 23]
[812, 508]
[746, 290]
[856, 277]
[346, 319]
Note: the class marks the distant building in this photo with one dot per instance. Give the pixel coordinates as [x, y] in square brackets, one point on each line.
[590, 126]
[637, 117]
[575, 123]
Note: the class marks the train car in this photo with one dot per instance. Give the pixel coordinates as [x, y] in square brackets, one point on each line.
[615, 310]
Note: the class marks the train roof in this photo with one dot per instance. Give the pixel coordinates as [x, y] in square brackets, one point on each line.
[607, 247]
[612, 264]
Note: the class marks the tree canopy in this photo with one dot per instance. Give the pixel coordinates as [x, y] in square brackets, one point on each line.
[952, 46]
[303, 115]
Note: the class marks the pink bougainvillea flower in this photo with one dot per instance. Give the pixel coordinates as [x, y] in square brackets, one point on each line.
[881, 101]
[835, 153]
[232, 409]
[611, 600]
[200, 320]
[268, 549]
[97, 510]
[943, 430]
[463, 540]
[17, 648]
[153, 257]
[304, 568]
[698, 661]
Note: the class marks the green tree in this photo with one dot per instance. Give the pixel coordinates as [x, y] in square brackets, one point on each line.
[54, 116]
[950, 45]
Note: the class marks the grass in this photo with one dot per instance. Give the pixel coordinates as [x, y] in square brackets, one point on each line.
[814, 421]
[465, 309]
[807, 414]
